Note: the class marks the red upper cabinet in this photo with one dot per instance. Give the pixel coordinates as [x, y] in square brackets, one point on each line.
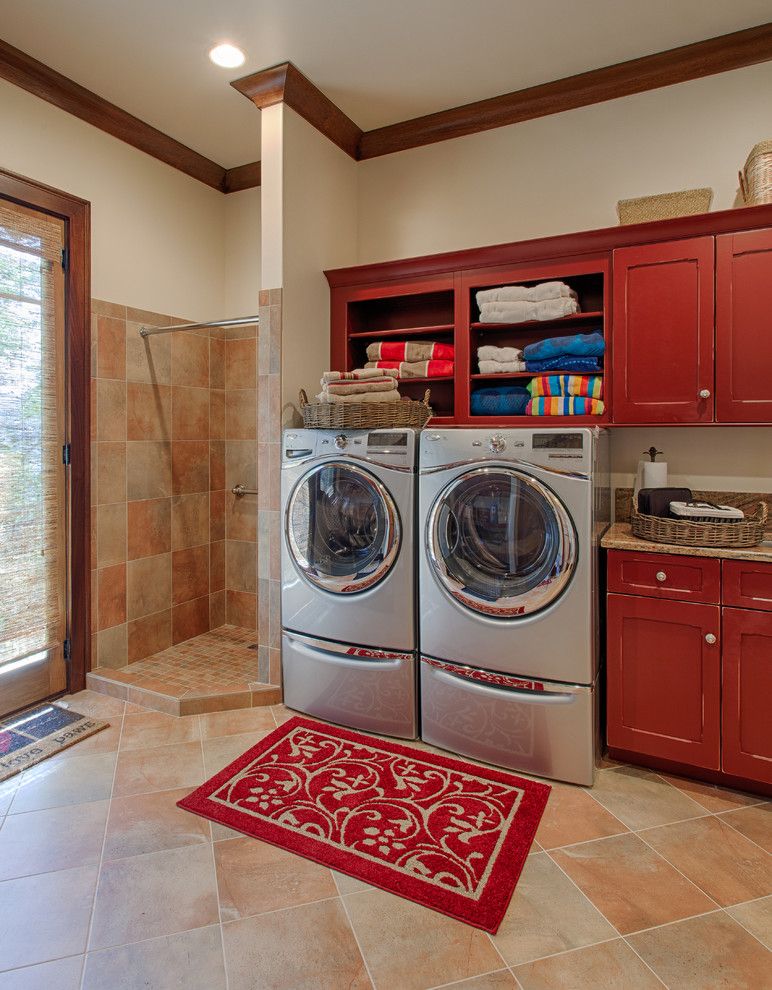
[747, 684]
[744, 327]
[663, 332]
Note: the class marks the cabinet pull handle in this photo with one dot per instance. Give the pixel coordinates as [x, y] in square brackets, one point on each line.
[710, 639]
[661, 576]
[704, 393]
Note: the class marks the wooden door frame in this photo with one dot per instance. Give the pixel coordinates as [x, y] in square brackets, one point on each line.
[76, 214]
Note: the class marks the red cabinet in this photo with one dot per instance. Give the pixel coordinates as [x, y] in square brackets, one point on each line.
[664, 672]
[747, 690]
[744, 327]
[664, 575]
[663, 332]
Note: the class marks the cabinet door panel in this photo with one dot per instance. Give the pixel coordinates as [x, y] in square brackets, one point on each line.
[664, 575]
[747, 584]
[744, 327]
[747, 690]
[663, 332]
[664, 679]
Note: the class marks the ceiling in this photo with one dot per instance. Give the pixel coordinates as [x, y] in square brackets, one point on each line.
[379, 61]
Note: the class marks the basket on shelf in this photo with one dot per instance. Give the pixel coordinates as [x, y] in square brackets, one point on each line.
[664, 206]
[756, 177]
[748, 533]
[364, 415]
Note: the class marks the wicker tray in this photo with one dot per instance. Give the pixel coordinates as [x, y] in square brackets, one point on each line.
[664, 206]
[748, 533]
[364, 415]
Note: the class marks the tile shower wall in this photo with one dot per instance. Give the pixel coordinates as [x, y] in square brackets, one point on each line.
[158, 485]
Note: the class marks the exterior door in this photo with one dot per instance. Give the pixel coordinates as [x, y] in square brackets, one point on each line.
[744, 327]
[663, 332]
[664, 663]
[747, 689]
[34, 513]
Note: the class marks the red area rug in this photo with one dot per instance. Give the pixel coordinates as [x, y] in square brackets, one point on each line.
[448, 834]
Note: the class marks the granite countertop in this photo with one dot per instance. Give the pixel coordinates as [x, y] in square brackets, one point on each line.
[620, 537]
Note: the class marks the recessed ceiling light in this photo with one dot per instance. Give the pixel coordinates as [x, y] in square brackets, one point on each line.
[228, 56]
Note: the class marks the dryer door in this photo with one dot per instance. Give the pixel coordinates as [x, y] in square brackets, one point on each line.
[342, 528]
[501, 542]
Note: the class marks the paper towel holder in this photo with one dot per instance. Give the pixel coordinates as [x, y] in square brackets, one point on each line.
[652, 452]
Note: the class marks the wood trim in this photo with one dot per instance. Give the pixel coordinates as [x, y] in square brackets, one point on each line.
[587, 242]
[77, 216]
[285, 83]
[704, 58]
[242, 177]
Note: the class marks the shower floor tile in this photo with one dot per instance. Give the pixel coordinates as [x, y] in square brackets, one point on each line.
[216, 671]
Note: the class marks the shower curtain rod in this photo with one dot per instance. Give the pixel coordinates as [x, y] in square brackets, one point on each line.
[241, 321]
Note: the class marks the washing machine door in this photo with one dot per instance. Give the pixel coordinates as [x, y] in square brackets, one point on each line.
[342, 528]
[501, 542]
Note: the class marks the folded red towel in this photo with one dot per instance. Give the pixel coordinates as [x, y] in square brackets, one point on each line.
[415, 369]
[409, 350]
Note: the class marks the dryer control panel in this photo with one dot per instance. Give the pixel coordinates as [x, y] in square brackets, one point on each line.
[568, 450]
[387, 447]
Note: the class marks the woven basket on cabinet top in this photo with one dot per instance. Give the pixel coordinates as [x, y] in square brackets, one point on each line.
[364, 415]
[747, 533]
[756, 177]
[664, 206]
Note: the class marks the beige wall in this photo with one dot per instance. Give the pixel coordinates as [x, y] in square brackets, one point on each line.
[242, 260]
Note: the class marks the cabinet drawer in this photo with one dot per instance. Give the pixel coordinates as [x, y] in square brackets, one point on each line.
[661, 575]
[747, 584]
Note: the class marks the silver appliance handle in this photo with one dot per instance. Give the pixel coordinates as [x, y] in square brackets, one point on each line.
[332, 656]
[523, 695]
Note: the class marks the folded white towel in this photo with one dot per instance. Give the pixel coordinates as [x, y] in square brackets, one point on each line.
[521, 312]
[383, 384]
[499, 367]
[391, 396]
[525, 293]
[346, 376]
[490, 353]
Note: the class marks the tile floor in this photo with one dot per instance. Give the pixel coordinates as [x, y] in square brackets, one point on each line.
[645, 881]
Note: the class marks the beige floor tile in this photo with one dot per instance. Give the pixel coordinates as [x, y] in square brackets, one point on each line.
[723, 863]
[7, 791]
[191, 960]
[433, 949]
[151, 729]
[310, 947]
[755, 824]
[347, 884]
[547, 914]
[94, 704]
[53, 839]
[708, 953]
[712, 798]
[281, 713]
[254, 877]
[60, 974]
[159, 768]
[218, 753]
[153, 895]
[641, 799]
[144, 823]
[243, 720]
[572, 815]
[631, 884]
[53, 784]
[756, 916]
[45, 917]
[612, 965]
[501, 980]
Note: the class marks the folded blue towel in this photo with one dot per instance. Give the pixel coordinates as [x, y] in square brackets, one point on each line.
[500, 400]
[579, 345]
[583, 364]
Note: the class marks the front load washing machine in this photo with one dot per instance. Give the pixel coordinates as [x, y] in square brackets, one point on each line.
[510, 524]
[347, 570]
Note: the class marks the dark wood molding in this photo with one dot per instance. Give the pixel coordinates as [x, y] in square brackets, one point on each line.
[242, 177]
[574, 245]
[285, 83]
[704, 58]
[76, 214]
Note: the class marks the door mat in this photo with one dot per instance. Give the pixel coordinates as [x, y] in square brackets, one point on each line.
[433, 829]
[33, 735]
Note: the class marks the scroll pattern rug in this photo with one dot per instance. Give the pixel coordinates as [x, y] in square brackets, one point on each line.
[448, 834]
[33, 735]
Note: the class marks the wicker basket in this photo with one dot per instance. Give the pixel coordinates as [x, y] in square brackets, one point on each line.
[364, 415]
[748, 533]
[756, 177]
[664, 206]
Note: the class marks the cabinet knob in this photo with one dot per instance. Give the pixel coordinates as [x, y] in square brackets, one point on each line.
[710, 639]
[704, 393]
[661, 576]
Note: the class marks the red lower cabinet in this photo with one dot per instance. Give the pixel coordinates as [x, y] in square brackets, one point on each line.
[747, 694]
[664, 679]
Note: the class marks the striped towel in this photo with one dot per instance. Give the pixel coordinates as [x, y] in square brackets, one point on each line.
[409, 350]
[413, 369]
[586, 385]
[349, 376]
[566, 405]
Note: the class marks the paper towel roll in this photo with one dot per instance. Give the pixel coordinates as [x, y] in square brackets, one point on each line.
[654, 474]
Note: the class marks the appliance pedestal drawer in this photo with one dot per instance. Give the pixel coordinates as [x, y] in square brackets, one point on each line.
[539, 727]
[363, 688]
